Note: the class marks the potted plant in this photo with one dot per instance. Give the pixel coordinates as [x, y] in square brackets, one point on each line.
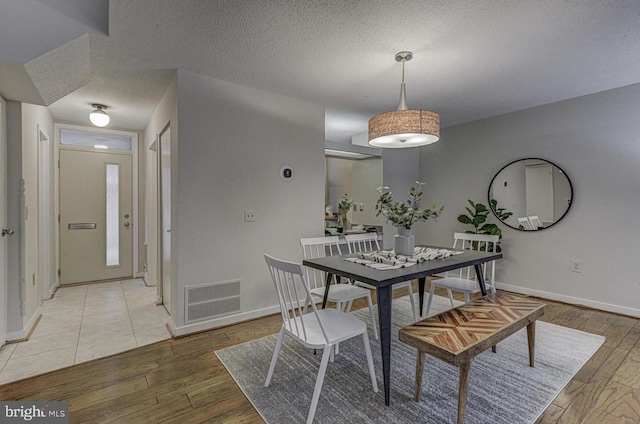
[477, 216]
[403, 215]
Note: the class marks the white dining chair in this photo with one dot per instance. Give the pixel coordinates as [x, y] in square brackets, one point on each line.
[341, 294]
[535, 222]
[369, 242]
[525, 223]
[318, 329]
[464, 279]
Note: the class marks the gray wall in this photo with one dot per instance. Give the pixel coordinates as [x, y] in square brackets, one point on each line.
[595, 139]
[233, 142]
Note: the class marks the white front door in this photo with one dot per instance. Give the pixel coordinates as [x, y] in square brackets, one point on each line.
[96, 223]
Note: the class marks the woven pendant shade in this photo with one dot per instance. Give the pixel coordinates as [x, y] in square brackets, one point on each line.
[404, 128]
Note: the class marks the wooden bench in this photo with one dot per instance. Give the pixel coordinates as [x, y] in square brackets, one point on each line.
[456, 336]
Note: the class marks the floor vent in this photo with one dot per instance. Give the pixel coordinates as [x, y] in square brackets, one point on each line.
[212, 300]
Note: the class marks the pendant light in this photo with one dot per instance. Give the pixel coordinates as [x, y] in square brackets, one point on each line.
[99, 117]
[404, 127]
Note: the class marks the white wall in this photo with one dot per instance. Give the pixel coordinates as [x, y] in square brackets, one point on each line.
[14, 174]
[166, 113]
[23, 121]
[233, 142]
[339, 174]
[595, 139]
[400, 171]
[33, 117]
[366, 178]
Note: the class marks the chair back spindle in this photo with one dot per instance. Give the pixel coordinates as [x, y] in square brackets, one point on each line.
[367, 242]
[319, 247]
[293, 294]
[477, 242]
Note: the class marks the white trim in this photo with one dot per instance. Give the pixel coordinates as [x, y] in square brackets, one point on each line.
[633, 312]
[22, 334]
[221, 322]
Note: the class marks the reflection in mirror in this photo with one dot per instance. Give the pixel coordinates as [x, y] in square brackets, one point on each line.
[530, 194]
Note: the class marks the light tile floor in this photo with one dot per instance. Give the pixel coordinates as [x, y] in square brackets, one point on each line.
[82, 323]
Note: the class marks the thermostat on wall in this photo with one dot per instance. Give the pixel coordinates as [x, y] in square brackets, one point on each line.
[286, 173]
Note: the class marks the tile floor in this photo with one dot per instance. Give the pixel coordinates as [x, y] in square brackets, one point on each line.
[86, 322]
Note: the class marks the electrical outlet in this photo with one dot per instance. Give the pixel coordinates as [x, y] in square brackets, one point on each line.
[576, 265]
[249, 215]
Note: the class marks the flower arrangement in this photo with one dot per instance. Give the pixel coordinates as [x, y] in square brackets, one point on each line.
[344, 207]
[405, 214]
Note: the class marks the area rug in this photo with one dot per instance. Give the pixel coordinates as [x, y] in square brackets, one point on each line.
[503, 388]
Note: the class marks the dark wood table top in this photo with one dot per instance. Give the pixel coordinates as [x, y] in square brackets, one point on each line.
[380, 278]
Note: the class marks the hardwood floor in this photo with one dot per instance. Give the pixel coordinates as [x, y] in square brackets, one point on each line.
[182, 380]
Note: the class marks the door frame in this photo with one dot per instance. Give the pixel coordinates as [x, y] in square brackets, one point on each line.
[162, 272]
[4, 314]
[134, 186]
[46, 279]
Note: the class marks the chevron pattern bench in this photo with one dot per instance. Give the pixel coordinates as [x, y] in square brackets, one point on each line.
[456, 336]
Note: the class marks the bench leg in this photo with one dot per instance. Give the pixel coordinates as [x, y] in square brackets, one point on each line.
[463, 387]
[419, 369]
[531, 338]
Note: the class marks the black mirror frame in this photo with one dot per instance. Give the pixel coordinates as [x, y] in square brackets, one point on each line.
[519, 160]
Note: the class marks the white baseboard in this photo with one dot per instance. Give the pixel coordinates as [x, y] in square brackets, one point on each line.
[53, 290]
[571, 300]
[221, 322]
[24, 332]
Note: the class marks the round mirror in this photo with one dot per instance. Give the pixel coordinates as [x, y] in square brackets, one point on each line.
[530, 194]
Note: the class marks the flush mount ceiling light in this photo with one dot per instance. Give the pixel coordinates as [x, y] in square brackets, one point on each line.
[99, 117]
[404, 127]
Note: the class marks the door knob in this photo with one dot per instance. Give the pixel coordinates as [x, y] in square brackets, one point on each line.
[5, 232]
[126, 224]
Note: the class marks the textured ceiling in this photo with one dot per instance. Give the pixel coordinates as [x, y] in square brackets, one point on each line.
[472, 58]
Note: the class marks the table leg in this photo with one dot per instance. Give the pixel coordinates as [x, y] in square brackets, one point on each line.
[480, 276]
[531, 338]
[384, 320]
[326, 288]
[421, 287]
[463, 388]
[419, 371]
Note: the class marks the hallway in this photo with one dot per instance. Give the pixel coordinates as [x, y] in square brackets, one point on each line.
[86, 322]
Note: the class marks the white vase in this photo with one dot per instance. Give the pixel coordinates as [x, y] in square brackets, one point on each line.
[404, 242]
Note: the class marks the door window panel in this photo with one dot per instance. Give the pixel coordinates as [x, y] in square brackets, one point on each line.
[95, 140]
[113, 215]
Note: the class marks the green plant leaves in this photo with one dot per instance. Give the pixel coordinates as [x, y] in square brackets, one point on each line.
[405, 214]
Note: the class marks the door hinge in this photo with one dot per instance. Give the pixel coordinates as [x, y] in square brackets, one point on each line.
[58, 163]
[58, 218]
[58, 272]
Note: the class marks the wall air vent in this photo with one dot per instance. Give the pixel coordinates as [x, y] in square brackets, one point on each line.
[211, 300]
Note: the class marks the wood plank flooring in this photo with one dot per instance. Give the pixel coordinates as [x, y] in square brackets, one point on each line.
[182, 381]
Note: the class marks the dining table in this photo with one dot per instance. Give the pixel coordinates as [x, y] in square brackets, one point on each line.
[336, 268]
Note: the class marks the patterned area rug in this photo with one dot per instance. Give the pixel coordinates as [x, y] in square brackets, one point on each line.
[503, 388]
